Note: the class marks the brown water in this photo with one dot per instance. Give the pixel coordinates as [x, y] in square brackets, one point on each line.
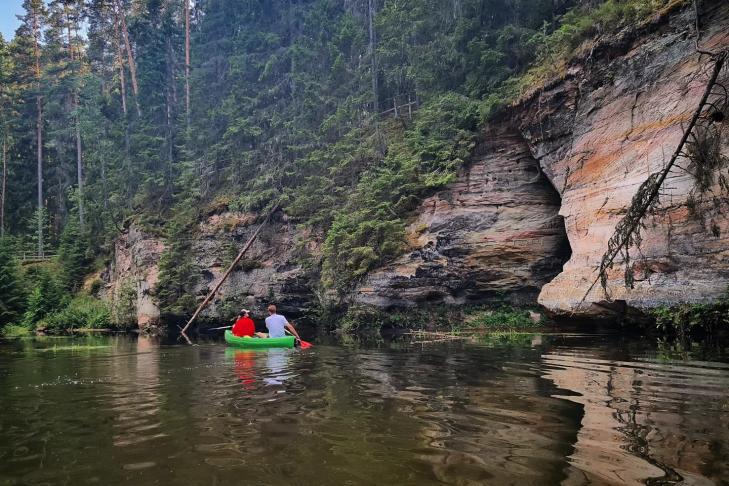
[524, 410]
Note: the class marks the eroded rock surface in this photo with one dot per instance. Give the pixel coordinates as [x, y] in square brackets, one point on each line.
[493, 235]
[616, 118]
[133, 274]
[270, 272]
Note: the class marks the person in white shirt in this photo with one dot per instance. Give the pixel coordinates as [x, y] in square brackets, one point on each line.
[276, 324]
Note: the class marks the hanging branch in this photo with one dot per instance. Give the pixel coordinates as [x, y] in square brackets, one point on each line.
[627, 231]
[228, 272]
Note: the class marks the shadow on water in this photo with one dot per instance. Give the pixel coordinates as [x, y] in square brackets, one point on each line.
[498, 409]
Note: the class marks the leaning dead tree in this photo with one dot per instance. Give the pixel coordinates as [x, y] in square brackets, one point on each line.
[700, 146]
[212, 293]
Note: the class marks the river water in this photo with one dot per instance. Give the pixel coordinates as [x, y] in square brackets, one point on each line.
[519, 409]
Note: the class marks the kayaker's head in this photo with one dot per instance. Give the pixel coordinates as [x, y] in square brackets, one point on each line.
[272, 309]
[244, 313]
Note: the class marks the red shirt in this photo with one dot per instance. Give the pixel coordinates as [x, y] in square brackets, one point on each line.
[244, 327]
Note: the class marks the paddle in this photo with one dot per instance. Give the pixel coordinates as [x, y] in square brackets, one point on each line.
[304, 344]
[218, 328]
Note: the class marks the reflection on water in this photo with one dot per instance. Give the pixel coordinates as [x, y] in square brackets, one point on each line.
[506, 410]
[645, 419]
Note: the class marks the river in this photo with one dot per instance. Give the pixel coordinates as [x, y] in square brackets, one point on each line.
[518, 409]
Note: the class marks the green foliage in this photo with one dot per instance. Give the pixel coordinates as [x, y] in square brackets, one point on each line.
[370, 229]
[15, 331]
[499, 319]
[689, 319]
[12, 291]
[124, 306]
[283, 99]
[364, 318]
[82, 312]
[46, 297]
[178, 274]
[72, 257]
[552, 47]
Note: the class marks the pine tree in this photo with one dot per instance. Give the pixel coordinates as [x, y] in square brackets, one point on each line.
[12, 292]
[72, 256]
[45, 298]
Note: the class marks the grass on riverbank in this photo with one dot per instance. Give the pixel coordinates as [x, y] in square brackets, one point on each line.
[686, 320]
[363, 319]
[82, 312]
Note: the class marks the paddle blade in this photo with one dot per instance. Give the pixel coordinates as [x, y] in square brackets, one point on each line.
[305, 344]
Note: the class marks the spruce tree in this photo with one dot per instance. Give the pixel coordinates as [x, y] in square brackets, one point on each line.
[72, 256]
[45, 298]
[12, 292]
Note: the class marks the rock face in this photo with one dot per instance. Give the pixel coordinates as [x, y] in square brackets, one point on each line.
[616, 118]
[597, 134]
[132, 275]
[270, 271]
[494, 235]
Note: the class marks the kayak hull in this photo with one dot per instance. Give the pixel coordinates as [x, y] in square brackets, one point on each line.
[255, 343]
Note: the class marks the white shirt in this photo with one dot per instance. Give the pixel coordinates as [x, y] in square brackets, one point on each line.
[276, 324]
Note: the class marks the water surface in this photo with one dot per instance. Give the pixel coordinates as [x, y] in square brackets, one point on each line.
[532, 409]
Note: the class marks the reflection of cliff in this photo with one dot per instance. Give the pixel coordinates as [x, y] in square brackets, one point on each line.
[136, 398]
[481, 419]
[644, 420]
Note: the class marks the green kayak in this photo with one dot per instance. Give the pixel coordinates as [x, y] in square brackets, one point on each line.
[253, 342]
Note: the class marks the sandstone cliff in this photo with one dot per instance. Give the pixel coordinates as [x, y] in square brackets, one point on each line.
[617, 117]
[596, 134]
[494, 235]
[272, 270]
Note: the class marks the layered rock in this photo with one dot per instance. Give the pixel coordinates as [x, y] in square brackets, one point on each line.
[133, 274]
[616, 118]
[493, 235]
[271, 271]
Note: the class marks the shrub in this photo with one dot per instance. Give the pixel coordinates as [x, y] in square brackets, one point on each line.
[82, 312]
[15, 330]
[45, 298]
[503, 318]
[688, 319]
[124, 306]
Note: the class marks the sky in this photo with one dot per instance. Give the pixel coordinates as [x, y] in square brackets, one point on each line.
[8, 20]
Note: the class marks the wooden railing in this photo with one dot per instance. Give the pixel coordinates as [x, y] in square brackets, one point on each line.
[401, 109]
[27, 257]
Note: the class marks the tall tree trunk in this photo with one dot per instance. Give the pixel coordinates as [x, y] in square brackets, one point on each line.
[187, 63]
[120, 56]
[130, 56]
[2, 197]
[105, 193]
[79, 155]
[373, 58]
[39, 129]
[170, 100]
[123, 92]
[79, 172]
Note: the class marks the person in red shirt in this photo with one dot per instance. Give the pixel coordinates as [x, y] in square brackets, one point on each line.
[244, 326]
